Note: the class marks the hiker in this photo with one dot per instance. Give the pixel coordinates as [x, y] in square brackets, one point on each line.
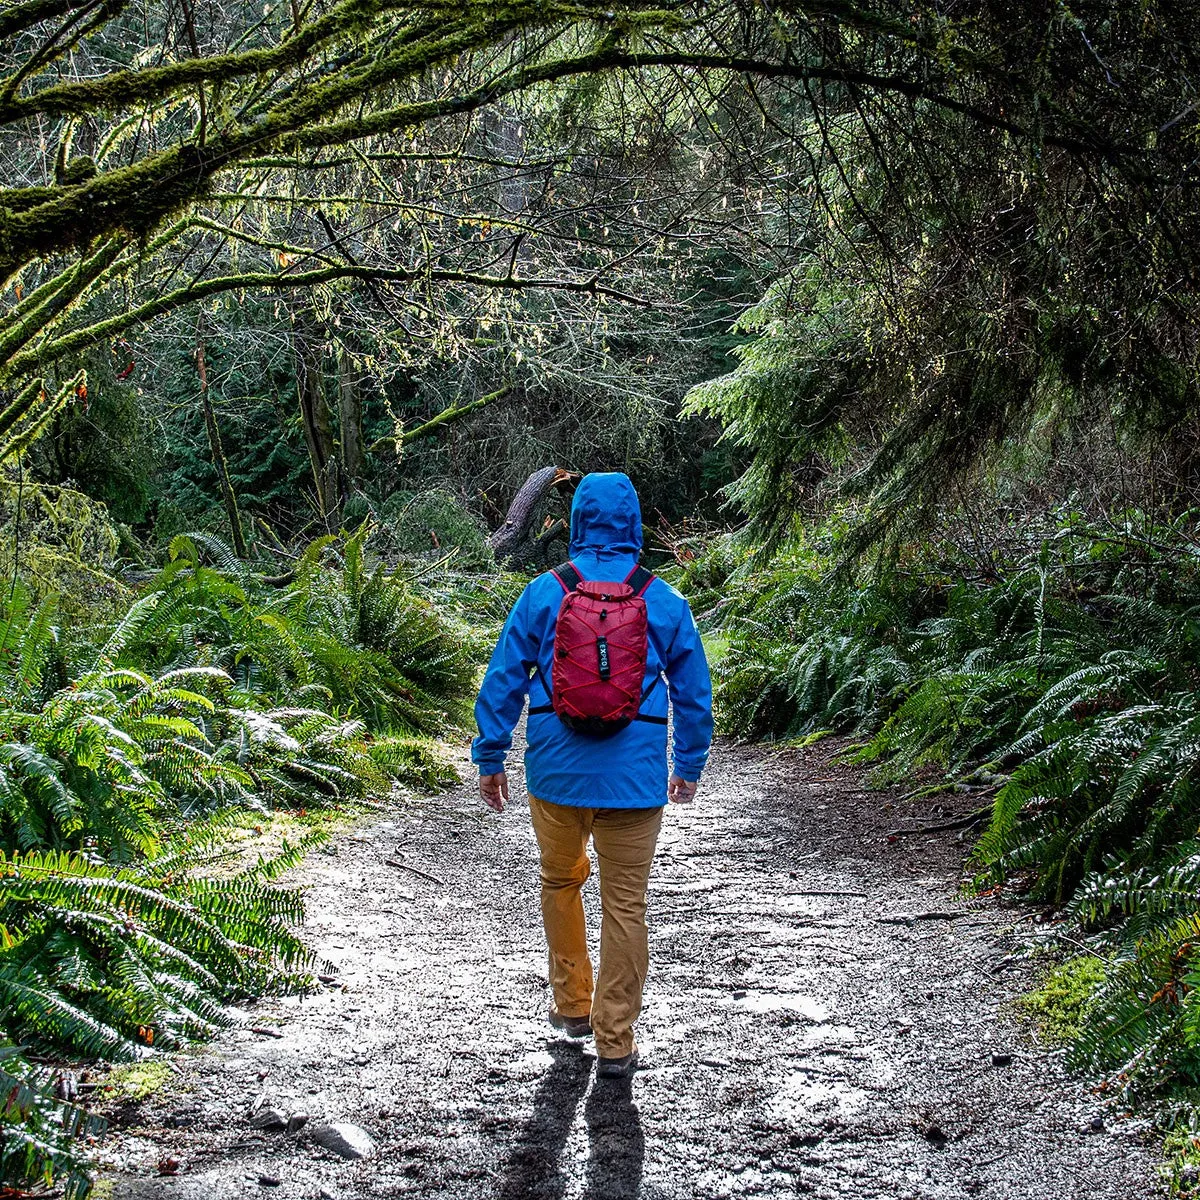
[596, 749]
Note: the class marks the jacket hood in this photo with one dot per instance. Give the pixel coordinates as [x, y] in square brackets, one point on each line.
[606, 515]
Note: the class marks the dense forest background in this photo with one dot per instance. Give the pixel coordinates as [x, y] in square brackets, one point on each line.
[888, 310]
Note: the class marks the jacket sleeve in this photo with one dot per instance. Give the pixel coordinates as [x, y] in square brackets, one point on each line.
[505, 685]
[690, 688]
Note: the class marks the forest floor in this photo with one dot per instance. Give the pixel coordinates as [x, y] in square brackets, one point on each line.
[824, 1016]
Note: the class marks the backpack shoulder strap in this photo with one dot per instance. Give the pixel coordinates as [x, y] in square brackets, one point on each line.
[639, 579]
[569, 579]
[568, 576]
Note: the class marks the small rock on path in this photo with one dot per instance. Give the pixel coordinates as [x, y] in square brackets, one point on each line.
[346, 1141]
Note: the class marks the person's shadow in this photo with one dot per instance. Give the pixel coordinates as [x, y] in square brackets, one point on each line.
[616, 1145]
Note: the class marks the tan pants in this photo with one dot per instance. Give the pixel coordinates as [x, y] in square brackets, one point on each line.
[624, 839]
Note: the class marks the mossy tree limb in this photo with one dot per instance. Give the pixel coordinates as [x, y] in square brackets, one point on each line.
[81, 338]
[251, 114]
[135, 198]
[404, 436]
[27, 416]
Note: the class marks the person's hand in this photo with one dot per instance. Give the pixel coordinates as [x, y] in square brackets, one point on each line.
[493, 790]
[681, 791]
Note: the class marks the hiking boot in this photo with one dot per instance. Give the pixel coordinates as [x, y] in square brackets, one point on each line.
[573, 1027]
[617, 1068]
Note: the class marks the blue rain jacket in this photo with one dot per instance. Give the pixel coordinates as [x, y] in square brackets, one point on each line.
[629, 769]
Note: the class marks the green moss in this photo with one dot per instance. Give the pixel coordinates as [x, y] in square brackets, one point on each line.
[1060, 1003]
[137, 1081]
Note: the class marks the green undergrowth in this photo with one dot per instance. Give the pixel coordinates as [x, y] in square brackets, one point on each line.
[1057, 683]
[1182, 1167]
[45, 1141]
[162, 768]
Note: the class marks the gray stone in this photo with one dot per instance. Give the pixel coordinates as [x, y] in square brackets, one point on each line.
[270, 1119]
[346, 1141]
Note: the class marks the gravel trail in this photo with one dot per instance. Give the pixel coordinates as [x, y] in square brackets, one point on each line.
[824, 1017]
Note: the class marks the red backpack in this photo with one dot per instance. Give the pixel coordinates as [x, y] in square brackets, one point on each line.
[600, 644]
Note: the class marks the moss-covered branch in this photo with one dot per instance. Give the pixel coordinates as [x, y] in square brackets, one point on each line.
[402, 438]
[348, 19]
[62, 292]
[137, 198]
[275, 245]
[26, 416]
[19, 17]
[76, 340]
[123, 89]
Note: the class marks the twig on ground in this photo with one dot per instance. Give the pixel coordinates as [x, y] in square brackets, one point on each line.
[945, 787]
[862, 894]
[395, 862]
[913, 918]
[980, 814]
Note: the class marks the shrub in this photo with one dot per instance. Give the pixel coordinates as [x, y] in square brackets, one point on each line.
[354, 640]
[435, 523]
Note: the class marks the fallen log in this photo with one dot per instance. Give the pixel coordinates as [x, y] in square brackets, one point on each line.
[515, 541]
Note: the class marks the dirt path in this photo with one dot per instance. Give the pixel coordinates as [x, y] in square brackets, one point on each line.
[800, 1036]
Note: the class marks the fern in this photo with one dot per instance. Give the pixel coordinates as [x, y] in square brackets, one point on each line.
[106, 962]
[1071, 668]
[359, 638]
[41, 1136]
[128, 751]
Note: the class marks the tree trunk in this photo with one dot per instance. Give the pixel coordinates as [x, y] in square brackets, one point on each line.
[350, 421]
[516, 539]
[315, 417]
[218, 455]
